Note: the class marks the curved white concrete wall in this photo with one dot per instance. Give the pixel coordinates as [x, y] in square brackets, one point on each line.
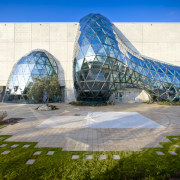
[157, 40]
[130, 95]
[160, 41]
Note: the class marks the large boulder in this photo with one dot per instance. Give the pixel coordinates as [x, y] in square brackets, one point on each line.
[3, 114]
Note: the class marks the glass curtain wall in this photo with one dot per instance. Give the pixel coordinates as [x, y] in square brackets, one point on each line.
[103, 64]
[35, 64]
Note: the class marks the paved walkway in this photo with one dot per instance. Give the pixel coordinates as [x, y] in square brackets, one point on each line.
[91, 139]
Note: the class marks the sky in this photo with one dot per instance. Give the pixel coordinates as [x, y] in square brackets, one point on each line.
[74, 10]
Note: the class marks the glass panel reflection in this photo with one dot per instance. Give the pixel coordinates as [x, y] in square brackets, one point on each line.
[36, 64]
[98, 50]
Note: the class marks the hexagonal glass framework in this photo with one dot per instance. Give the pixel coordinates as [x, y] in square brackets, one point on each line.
[36, 64]
[103, 64]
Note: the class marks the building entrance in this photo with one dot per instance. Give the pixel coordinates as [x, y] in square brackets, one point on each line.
[118, 96]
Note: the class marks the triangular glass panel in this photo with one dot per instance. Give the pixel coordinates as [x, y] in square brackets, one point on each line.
[107, 41]
[102, 37]
[84, 65]
[153, 74]
[15, 80]
[95, 25]
[40, 61]
[160, 70]
[89, 32]
[26, 77]
[39, 66]
[101, 59]
[90, 76]
[35, 70]
[31, 67]
[95, 47]
[101, 51]
[90, 51]
[90, 38]
[81, 55]
[79, 62]
[20, 78]
[107, 49]
[96, 29]
[84, 49]
[111, 54]
[39, 71]
[90, 84]
[85, 73]
[171, 78]
[169, 72]
[85, 41]
[116, 52]
[84, 86]
[95, 40]
[100, 77]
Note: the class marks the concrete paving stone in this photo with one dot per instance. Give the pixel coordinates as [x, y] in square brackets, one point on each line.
[116, 157]
[172, 153]
[175, 138]
[89, 156]
[6, 152]
[3, 145]
[142, 137]
[102, 157]
[37, 153]
[26, 146]
[176, 145]
[75, 156]
[50, 152]
[159, 153]
[15, 145]
[30, 161]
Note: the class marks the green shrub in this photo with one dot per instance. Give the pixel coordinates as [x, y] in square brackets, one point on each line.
[53, 107]
[163, 103]
[80, 103]
[44, 90]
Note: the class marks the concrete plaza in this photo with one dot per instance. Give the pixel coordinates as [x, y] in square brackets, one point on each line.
[72, 135]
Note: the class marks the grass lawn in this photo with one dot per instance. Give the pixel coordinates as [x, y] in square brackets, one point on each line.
[1, 126]
[145, 164]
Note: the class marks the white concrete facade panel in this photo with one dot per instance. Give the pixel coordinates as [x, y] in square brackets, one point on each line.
[156, 40]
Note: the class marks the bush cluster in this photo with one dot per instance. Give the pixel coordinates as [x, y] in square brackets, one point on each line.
[164, 103]
[81, 103]
[53, 107]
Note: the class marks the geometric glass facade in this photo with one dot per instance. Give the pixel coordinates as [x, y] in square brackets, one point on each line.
[36, 64]
[103, 64]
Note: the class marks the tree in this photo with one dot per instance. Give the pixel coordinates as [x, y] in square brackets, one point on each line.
[44, 90]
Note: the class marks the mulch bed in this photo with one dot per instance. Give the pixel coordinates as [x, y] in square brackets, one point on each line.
[11, 121]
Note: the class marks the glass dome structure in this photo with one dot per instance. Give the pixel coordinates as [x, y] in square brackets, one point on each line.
[36, 64]
[104, 64]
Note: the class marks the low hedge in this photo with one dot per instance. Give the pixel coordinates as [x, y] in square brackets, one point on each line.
[163, 103]
[81, 103]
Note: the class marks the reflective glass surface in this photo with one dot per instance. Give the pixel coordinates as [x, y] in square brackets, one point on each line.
[36, 64]
[103, 64]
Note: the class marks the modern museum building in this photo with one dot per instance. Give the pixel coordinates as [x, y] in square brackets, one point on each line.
[95, 60]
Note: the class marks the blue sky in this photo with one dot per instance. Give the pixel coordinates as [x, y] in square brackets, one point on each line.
[73, 10]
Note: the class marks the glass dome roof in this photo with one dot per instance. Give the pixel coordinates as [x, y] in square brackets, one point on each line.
[35, 64]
